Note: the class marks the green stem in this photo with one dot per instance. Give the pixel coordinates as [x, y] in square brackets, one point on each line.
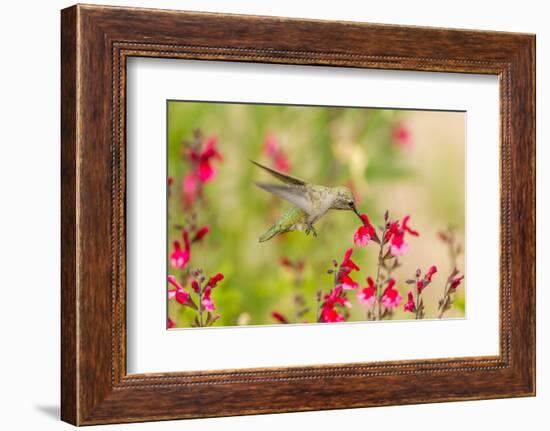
[200, 304]
[417, 303]
[377, 285]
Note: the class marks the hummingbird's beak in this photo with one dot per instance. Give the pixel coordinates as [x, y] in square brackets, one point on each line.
[357, 212]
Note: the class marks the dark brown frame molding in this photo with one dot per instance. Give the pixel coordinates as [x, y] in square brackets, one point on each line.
[95, 43]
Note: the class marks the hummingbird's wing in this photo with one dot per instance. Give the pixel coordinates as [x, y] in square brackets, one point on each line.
[285, 178]
[295, 194]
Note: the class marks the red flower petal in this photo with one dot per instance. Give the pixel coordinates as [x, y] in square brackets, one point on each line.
[410, 305]
[279, 317]
[201, 233]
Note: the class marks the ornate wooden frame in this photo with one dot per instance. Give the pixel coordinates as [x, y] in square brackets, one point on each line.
[95, 43]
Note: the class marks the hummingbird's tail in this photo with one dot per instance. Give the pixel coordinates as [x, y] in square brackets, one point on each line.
[272, 231]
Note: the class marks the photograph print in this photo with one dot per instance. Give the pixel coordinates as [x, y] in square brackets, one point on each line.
[287, 214]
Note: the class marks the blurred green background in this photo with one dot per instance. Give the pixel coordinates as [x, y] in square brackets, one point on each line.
[409, 162]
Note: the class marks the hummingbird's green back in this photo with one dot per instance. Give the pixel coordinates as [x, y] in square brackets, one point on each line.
[290, 219]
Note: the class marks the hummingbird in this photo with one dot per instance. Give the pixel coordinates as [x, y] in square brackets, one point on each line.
[311, 202]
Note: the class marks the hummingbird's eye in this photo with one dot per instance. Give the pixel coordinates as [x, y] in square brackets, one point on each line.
[351, 204]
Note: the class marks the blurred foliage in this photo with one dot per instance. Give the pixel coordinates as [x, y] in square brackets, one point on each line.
[324, 145]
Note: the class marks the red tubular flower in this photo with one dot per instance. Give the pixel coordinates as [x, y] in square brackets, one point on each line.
[398, 246]
[365, 233]
[279, 317]
[171, 324]
[190, 189]
[347, 282]
[201, 233]
[282, 163]
[328, 309]
[431, 272]
[366, 296]
[207, 301]
[346, 267]
[348, 263]
[422, 284]
[181, 295]
[213, 281]
[455, 282]
[270, 145]
[206, 295]
[210, 151]
[391, 297]
[272, 150]
[202, 169]
[205, 170]
[179, 256]
[392, 230]
[405, 226]
[330, 315]
[402, 136]
[195, 286]
[410, 305]
[396, 233]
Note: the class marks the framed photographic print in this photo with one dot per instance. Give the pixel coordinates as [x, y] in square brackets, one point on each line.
[280, 206]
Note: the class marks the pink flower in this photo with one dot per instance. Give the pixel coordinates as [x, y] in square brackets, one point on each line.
[396, 233]
[346, 267]
[200, 155]
[171, 324]
[270, 145]
[410, 305]
[365, 233]
[201, 233]
[422, 284]
[398, 246]
[347, 282]
[455, 282]
[213, 281]
[347, 263]
[402, 137]
[275, 153]
[328, 309]
[195, 286]
[181, 295]
[366, 296]
[207, 301]
[392, 230]
[391, 297]
[282, 163]
[279, 317]
[190, 188]
[431, 272]
[330, 315]
[179, 256]
[205, 170]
